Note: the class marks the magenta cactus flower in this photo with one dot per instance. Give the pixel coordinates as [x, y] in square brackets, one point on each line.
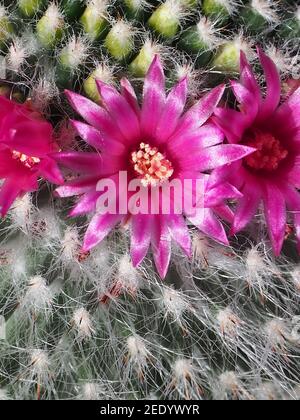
[154, 144]
[272, 173]
[26, 142]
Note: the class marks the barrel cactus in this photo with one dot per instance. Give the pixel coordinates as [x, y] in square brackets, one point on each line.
[95, 318]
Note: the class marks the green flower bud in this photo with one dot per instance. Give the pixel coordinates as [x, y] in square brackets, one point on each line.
[30, 8]
[134, 9]
[227, 59]
[50, 27]
[165, 20]
[119, 41]
[217, 9]
[140, 65]
[103, 73]
[94, 20]
[6, 28]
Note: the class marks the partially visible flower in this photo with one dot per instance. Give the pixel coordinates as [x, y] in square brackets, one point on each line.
[26, 140]
[272, 173]
[156, 143]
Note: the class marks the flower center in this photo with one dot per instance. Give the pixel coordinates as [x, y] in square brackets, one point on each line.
[28, 161]
[151, 165]
[269, 153]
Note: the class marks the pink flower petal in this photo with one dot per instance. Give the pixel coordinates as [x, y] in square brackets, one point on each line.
[31, 137]
[99, 227]
[129, 94]
[248, 79]
[94, 138]
[86, 204]
[286, 118]
[161, 245]
[9, 191]
[249, 106]
[232, 123]
[173, 109]
[272, 99]
[215, 196]
[215, 156]
[196, 116]
[154, 98]
[77, 186]
[275, 213]
[206, 136]
[10, 166]
[179, 232]
[49, 170]
[210, 226]
[140, 237]
[95, 116]
[294, 174]
[89, 134]
[125, 118]
[292, 198]
[224, 212]
[247, 206]
[80, 162]
[6, 107]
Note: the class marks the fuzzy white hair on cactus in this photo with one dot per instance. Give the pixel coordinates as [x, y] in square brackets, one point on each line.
[17, 55]
[39, 371]
[47, 226]
[138, 356]
[295, 276]
[38, 297]
[297, 14]
[232, 388]
[98, 7]
[19, 249]
[39, 361]
[268, 391]
[209, 33]
[266, 9]
[54, 15]
[128, 275]
[83, 324]
[201, 248]
[140, 4]
[282, 59]
[44, 91]
[73, 54]
[277, 335]
[228, 322]
[104, 71]
[22, 213]
[186, 68]
[93, 391]
[258, 270]
[4, 395]
[89, 392]
[70, 245]
[175, 304]
[186, 383]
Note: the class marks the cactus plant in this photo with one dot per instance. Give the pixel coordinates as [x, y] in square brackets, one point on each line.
[88, 324]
